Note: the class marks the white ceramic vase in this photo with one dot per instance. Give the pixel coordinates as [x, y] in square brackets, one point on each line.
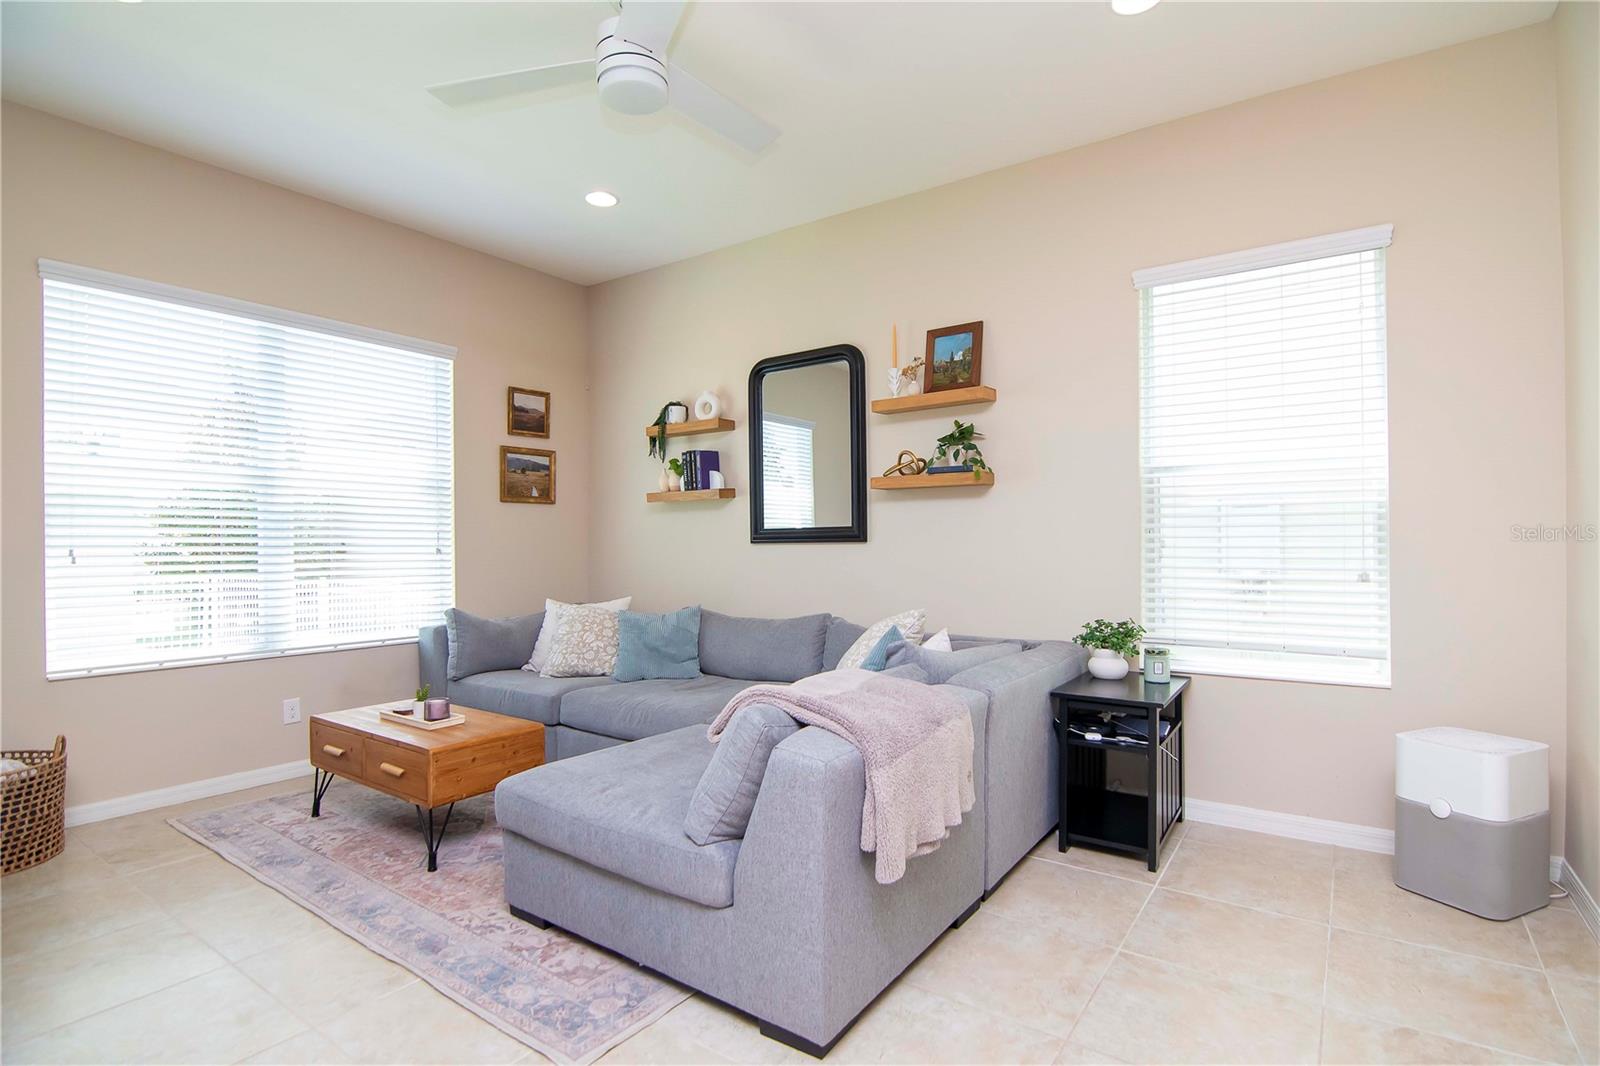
[707, 406]
[1107, 665]
[668, 481]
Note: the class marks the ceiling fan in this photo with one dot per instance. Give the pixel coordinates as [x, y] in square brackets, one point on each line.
[634, 76]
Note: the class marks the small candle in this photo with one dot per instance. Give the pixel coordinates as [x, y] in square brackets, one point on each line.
[895, 342]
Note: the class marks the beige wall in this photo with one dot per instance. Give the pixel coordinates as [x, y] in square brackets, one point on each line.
[1577, 28]
[1457, 148]
[79, 195]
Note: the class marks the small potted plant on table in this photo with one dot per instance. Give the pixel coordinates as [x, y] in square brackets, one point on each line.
[421, 697]
[1110, 644]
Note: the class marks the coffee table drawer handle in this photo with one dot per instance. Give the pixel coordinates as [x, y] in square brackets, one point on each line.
[391, 769]
[337, 753]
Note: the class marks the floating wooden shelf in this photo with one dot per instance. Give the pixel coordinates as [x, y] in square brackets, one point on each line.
[697, 496]
[928, 401]
[691, 429]
[984, 479]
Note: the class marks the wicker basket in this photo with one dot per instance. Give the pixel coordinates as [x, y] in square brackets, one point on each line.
[33, 808]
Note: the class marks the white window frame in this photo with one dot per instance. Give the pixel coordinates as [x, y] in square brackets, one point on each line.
[1218, 657]
[119, 284]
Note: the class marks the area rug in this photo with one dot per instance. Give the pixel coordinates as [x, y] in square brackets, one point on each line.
[361, 867]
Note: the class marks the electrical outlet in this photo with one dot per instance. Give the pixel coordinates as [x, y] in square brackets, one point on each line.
[291, 711]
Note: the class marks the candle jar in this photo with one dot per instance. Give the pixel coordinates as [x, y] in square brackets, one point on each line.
[1157, 666]
[436, 710]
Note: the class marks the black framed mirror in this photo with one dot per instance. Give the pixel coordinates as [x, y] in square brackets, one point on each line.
[808, 447]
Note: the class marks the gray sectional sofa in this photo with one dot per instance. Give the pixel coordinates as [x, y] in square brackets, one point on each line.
[787, 924]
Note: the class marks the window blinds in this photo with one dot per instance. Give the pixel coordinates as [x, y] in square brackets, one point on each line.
[1264, 461]
[788, 500]
[227, 481]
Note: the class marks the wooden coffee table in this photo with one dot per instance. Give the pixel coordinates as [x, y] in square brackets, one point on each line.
[430, 768]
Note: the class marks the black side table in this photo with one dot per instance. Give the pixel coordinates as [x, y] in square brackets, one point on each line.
[1146, 719]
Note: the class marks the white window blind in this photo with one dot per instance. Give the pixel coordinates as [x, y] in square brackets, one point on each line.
[1265, 461]
[788, 500]
[227, 481]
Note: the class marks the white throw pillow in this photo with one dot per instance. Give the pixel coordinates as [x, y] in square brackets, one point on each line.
[910, 624]
[940, 641]
[541, 644]
[584, 644]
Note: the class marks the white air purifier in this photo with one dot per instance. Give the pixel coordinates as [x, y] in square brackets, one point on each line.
[1472, 820]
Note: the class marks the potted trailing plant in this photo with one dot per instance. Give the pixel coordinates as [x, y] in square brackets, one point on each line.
[958, 448]
[673, 412]
[421, 697]
[1110, 644]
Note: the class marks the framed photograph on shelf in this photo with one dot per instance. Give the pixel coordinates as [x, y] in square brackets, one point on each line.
[527, 412]
[527, 475]
[955, 357]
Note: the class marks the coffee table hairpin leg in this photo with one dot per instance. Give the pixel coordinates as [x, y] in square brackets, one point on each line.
[320, 781]
[429, 836]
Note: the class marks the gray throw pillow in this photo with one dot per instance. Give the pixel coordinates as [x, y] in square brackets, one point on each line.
[842, 633]
[941, 666]
[478, 645]
[650, 646]
[762, 649]
[909, 671]
[722, 802]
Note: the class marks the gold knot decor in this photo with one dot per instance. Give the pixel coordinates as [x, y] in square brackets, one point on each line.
[907, 463]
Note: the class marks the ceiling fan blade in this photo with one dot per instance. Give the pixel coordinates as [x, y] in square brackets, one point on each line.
[716, 112]
[496, 86]
[649, 22]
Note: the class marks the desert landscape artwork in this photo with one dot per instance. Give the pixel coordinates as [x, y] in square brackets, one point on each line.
[954, 359]
[527, 412]
[527, 475]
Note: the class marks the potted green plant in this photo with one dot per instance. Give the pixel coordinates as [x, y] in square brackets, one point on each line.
[958, 448]
[1110, 644]
[673, 482]
[421, 697]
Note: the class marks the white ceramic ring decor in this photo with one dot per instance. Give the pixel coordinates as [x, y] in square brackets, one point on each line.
[707, 406]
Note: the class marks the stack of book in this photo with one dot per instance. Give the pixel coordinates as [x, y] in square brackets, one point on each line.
[698, 465]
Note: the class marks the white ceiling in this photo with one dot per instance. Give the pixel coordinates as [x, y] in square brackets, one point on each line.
[875, 101]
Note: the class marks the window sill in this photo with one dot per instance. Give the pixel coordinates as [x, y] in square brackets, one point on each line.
[1286, 677]
[145, 668]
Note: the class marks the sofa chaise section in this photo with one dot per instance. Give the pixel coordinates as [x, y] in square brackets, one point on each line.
[808, 939]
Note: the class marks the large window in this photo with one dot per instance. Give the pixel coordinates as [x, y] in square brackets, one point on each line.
[1265, 460]
[227, 481]
[788, 496]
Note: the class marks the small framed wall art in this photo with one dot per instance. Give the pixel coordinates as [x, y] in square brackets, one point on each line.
[527, 412]
[954, 359]
[527, 475]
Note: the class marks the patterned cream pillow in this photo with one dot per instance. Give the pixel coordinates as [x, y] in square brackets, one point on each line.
[910, 624]
[584, 643]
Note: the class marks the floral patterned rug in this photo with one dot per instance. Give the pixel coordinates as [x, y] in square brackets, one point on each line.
[361, 867]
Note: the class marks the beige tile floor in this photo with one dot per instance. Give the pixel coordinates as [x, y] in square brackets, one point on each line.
[137, 945]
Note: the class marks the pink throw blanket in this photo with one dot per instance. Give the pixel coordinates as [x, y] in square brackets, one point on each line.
[916, 743]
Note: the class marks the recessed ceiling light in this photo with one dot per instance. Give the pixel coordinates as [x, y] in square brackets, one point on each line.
[1133, 7]
[600, 198]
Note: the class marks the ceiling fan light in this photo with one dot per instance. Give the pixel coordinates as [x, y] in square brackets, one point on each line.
[1133, 7]
[600, 198]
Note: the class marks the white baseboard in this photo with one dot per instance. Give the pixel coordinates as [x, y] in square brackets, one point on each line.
[1581, 898]
[1325, 831]
[84, 813]
[1298, 826]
